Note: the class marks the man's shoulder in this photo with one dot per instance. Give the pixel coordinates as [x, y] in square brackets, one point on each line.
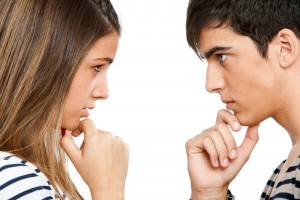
[295, 166]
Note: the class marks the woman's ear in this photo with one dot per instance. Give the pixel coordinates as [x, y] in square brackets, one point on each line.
[288, 49]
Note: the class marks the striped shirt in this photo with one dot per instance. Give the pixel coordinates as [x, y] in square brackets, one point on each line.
[21, 180]
[288, 187]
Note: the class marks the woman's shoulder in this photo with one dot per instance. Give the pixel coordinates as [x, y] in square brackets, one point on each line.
[19, 178]
[11, 163]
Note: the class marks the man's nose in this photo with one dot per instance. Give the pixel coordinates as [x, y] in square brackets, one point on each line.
[214, 79]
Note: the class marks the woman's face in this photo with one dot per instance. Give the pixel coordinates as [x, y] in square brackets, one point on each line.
[90, 82]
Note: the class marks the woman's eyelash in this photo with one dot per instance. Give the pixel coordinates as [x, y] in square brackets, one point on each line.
[98, 68]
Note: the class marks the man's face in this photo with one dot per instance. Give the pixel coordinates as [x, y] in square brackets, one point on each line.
[245, 81]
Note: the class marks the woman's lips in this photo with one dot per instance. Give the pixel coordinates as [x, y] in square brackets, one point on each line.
[85, 113]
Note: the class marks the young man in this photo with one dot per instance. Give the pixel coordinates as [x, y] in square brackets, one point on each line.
[252, 48]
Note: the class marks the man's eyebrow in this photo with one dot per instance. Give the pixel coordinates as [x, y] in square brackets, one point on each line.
[107, 59]
[213, 50]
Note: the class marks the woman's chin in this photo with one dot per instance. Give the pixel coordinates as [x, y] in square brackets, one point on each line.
[71, 126]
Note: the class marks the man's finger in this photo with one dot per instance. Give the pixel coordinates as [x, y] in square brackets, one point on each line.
[249, 142]
[226, 117]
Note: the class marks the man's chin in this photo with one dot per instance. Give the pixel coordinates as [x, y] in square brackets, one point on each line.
[246, 120]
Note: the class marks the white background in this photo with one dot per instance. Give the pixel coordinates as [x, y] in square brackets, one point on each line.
[158, 101]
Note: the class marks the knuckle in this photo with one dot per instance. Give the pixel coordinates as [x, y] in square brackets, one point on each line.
[104, 133]
[225, 116]
[246, 158]
[207, 131]
[220, 126]
[108, 134]
[220, 113]
[126, 146]
[188, 144]
[207, 141]
[118, 139]
[214, 134]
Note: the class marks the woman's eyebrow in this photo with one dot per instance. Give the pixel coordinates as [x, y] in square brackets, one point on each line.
[107, 59]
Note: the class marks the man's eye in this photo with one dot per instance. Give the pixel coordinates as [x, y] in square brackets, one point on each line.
[222, 57]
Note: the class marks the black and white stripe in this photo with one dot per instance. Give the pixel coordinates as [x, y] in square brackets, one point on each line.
[20, 180]
[289, 185]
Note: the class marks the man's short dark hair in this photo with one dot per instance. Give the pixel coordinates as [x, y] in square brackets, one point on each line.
[260, 20]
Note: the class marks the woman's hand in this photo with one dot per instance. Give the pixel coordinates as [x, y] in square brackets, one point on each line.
[214, 159]
[102, 160]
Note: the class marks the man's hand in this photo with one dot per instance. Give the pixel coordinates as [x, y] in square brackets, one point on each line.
[214, 158]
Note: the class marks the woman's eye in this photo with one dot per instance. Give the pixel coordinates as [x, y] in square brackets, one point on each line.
[222, 57]
[98, 68]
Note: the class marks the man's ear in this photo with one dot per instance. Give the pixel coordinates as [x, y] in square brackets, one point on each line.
[288, 49]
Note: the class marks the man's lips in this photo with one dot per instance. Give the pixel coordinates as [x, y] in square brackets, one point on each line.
[229, 104]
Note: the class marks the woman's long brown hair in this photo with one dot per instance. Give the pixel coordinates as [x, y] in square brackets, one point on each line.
[42, 42]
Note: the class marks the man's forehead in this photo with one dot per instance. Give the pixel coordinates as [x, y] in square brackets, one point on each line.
[209, 36]
[220, 37]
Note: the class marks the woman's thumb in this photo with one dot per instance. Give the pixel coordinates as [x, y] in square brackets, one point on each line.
[71, 149]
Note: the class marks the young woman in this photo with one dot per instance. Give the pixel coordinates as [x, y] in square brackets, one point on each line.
[54, 57]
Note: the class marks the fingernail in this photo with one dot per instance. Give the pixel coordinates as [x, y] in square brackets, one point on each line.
[233, 153]
[236, 125]
[226, 161]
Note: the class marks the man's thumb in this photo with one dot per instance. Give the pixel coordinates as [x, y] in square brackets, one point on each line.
[249, 142]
